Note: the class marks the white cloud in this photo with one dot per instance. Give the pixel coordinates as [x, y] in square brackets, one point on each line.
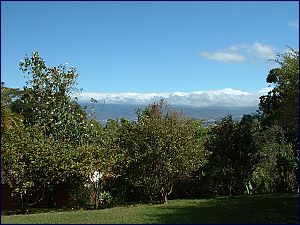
[262, 50]
[241, 53]
[265, 90]
[294, 24]
[233, 48]
[223, 56]
[223, 97]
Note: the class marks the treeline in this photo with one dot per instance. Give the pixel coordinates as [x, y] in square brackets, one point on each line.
[47, 139]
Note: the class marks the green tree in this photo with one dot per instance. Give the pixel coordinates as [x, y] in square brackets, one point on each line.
[280, 108]
[33, 162]
[234, 148]
[280, 105]
[159, 148]
[46, 99]
[54, 143]
[275, 171]
[23, 153]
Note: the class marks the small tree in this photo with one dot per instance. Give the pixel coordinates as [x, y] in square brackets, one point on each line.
[159, 148]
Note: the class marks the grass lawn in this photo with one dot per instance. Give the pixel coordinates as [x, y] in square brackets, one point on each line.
[277, 208]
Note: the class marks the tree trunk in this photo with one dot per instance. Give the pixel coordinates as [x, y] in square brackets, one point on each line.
[23, 204]
[166, 199]
[166, 194]
[95, 200]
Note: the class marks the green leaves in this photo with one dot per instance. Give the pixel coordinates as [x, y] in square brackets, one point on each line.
[280, 112]
[283, 99]
[234, 148]
[47, 148]
[46, 100]
[158, 148]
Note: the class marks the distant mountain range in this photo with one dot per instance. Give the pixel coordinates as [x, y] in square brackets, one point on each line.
[208, 114]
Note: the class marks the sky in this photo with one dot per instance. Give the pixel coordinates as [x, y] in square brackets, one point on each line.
[195, 53]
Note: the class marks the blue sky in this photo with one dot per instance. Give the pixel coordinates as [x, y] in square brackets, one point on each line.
[150, 47]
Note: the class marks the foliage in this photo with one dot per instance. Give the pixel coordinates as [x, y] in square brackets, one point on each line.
[280, 105]
[157, 149]
[234, 150]
[52, 144]
[22, 150]
[31, 161]
[105, 198]
[280, 119]
[80, 194]
[46, 99]
[8, 118]
[277, 167]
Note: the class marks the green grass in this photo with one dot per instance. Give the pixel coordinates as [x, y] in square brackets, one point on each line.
[279, 208]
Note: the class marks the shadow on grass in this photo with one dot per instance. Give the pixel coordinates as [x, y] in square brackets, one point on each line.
[235, 210]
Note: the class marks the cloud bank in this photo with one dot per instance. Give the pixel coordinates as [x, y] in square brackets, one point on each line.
[223, 97]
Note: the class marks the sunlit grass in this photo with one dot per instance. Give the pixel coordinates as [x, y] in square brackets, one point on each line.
[279, 208]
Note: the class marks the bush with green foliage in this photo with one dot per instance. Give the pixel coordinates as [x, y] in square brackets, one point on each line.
[275, 171]
[157, 149]
[234, 148]
[52, 144]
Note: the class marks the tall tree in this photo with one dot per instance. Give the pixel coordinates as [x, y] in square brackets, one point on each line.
[52, 144]
[47, 101]
[234, 148]
[280, 105]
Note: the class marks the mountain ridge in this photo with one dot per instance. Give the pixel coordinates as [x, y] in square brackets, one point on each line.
[209, 114]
